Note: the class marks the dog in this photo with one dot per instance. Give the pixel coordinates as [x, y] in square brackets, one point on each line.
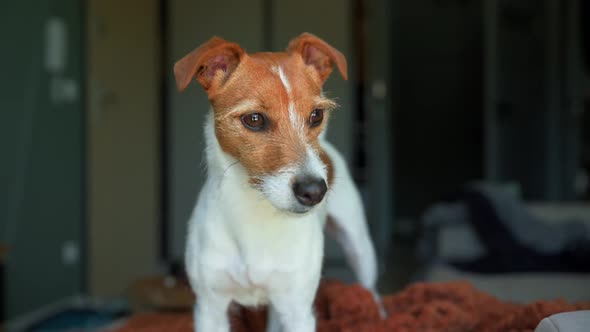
[273, 182]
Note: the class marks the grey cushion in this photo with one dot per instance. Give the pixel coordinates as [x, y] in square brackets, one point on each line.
[575, 321]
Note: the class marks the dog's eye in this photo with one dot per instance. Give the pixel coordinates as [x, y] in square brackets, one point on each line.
[316, 117]
[254, 121]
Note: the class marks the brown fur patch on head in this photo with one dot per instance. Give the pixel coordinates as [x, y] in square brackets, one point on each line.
[285, 87]
[256, 86]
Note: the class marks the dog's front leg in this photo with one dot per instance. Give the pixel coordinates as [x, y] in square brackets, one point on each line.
[274, 323]
[210, 312]
[295, 310]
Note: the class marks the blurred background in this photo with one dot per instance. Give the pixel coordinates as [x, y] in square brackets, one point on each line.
[466, 125]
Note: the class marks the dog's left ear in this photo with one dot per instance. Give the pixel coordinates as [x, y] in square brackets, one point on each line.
[319, 54]
[211, 64]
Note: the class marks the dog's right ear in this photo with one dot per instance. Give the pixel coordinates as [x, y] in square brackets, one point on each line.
[211, 64]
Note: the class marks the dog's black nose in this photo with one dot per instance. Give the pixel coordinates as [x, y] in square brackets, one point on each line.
[309, 191]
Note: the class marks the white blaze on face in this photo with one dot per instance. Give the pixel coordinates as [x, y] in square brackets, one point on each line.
[293, 116]
[285, 82]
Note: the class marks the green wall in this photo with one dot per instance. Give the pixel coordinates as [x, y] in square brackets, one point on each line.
[41, 197]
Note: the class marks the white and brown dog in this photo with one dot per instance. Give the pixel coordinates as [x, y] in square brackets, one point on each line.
[255, 236]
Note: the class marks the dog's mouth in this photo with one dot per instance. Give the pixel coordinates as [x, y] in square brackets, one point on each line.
[299, 210]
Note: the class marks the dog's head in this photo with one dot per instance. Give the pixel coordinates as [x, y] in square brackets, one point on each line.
[269, 112]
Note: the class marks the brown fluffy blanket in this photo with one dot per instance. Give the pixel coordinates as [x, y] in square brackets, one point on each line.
[424, 307]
